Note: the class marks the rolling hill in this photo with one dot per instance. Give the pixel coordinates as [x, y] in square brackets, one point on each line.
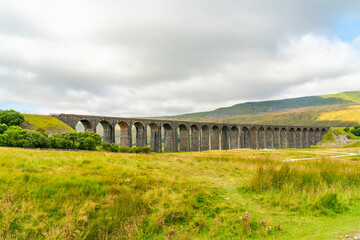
[341, 109]
[50, 124]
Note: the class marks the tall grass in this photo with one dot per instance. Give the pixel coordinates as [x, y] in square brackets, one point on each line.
[318, 187]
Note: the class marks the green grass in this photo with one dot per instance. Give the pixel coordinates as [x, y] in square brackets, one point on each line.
[328, 137]
[237, 194]
[50, 124]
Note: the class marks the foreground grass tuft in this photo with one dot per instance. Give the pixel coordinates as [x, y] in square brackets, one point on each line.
[316, 187]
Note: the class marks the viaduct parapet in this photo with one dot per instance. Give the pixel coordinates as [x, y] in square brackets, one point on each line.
[197, 136]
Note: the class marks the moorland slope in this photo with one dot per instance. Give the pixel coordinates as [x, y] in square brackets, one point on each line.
[337, 110]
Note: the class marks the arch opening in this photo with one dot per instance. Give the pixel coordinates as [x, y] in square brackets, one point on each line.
[205, 138]
[195, 138]
[277, 138]
[291, 138]
[140, 134]
[84, 125]
[155, 137]
[245, 138]
[311, 136]
[298, 138]
[169, 138]
[184, 138]
[317, 136]
[234, 138]
[225, 138]
[261, 138]
[106, 131]
[269, 138]
[215, 138]
[305, 138]
[283, 138]
[253, 138]
[122, 134]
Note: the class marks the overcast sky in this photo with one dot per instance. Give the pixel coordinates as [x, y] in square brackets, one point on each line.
[165, 57]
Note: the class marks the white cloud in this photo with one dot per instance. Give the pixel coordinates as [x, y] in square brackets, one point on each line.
[141, 58]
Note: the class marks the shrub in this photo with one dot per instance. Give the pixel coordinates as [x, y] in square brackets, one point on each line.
[35, 140]
[355, 131]
[74, 140]
[89, 144]
[11, 118]
[147, 149]
[110, 147]
[3, 128]
[347, 129]
[124, 149]
[60, 143]
[14, 137]
[3, 140]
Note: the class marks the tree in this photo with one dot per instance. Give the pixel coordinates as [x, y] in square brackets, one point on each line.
[11, 118]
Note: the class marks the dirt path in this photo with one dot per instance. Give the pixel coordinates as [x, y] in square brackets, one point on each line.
[341, 154]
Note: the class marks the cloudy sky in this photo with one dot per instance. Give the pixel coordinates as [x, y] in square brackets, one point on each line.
[165, 57]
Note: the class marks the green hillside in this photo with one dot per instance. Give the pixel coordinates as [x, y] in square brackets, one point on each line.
[340, 109]
[50, 124]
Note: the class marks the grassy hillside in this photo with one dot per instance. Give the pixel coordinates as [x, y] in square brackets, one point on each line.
[50, 124]
[335, 116]
[341, 109]
[237, 194]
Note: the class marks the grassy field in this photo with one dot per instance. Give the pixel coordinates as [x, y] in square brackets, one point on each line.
[236, 194]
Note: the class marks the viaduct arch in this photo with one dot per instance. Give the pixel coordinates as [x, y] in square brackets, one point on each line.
[197, 136]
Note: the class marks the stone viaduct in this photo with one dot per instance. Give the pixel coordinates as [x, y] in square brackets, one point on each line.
[198, 136]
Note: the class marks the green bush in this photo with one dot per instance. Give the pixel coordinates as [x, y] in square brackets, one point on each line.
[355, 131]
[3, 128]
[60, 143]
[75, 140]
[124, 149]
[110, 147]
[14, 137]
[11, 118]
[89, 144]
[35, 140]
[347, 129]
[147, 149]
[3, 140]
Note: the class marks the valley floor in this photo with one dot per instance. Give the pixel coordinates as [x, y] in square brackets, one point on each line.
[235, 194]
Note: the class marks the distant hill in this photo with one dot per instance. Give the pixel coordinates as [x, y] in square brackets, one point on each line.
[340, 109]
